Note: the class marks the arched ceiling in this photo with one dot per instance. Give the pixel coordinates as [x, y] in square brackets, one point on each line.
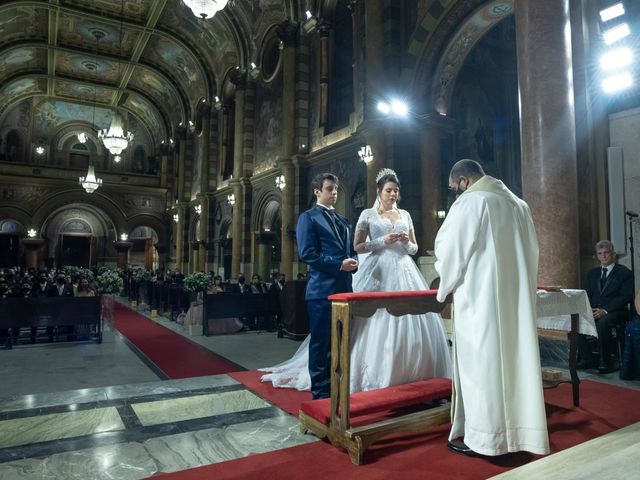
[154, 59]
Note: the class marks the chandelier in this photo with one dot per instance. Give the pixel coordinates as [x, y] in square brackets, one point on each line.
[89, 182]
[205, 8]
[116, 139]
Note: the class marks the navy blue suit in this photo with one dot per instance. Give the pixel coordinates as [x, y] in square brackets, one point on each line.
[323, 249]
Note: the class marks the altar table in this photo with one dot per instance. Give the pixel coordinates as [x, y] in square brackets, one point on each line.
[565, 310]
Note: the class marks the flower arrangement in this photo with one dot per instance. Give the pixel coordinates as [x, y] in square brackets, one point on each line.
[109, 281]
[141, 275]
[77, 272]
[196, 282]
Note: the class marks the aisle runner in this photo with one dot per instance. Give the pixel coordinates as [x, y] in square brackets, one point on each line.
[604, 408]
[175, 355]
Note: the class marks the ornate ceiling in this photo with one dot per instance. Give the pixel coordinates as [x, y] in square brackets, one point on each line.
[152, 58]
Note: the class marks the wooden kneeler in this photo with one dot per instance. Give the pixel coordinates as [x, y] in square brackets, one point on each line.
[332, 418]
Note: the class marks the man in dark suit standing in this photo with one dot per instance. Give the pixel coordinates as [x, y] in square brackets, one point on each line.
[610, 291]
[325, 244]
[61, 288]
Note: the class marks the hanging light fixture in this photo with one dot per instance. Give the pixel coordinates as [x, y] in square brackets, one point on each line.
[90, 182]
[116, 139]
[205, 8]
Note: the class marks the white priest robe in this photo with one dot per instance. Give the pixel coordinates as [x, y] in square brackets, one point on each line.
[487, 255]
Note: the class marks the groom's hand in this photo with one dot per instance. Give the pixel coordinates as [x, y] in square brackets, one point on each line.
[349, 265]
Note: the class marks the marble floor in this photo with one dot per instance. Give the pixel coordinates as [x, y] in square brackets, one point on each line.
[87, 411]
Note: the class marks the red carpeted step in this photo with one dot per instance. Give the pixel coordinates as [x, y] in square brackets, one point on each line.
[384, 399]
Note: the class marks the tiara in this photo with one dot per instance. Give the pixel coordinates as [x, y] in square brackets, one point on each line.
[384, 172]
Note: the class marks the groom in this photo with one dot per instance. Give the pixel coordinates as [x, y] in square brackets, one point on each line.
[326, 245]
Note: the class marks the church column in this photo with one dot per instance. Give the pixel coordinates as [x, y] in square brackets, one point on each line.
[374, 128]
[179, 237]
[204, 188]
[287, 32]
[375, 137]
[182, 149]
[430, 175]
[549, 170]
[238, 157]
[31, 248]
[325, 68]
[122, 248]
[288, 205]
[164, 167]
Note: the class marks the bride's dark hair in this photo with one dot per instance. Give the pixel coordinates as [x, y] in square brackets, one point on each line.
[389, 177]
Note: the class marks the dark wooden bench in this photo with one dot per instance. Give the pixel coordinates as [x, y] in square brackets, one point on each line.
[355, 421]
[82, 314]
[239, 305]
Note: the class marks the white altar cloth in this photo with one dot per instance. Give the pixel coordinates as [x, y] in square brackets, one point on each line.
[554, 310]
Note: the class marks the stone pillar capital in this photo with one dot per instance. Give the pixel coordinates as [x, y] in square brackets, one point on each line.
[32, 243]
[238, 77]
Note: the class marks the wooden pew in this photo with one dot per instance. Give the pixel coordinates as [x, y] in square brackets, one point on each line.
[54, 312]
[238, 305]
[332, 418]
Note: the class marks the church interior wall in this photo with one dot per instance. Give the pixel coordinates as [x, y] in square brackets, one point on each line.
[624, 127]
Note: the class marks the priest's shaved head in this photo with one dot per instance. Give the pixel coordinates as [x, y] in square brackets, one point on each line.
[466, 168]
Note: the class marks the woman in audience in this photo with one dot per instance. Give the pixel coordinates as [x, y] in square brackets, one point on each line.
[256, 285]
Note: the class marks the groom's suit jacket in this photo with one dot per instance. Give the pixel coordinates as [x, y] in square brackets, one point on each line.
[323, 249]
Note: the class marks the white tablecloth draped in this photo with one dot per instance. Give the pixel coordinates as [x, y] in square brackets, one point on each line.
[554, 311]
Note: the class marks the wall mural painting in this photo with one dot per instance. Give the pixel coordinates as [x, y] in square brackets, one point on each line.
[197, 168]
[84, 66]
[21, 22]
[18, 59]
[178, 61]
[22, 86]
[76, 30]
[268, 131]
[51, 114]
[82, 91]
[148, 114]
[162, 92]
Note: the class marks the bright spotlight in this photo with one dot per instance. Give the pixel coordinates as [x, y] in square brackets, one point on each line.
[612, 12]
[616, 33]
[617, 58]
[384, 107]
[615, 83]
[399, 108]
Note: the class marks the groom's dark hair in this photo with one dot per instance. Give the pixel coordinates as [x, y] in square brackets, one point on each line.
[318, 180]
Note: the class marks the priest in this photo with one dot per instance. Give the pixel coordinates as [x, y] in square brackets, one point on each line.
[487, 256]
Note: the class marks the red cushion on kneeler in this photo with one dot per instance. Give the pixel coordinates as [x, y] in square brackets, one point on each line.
[362, 296]
[383, 399]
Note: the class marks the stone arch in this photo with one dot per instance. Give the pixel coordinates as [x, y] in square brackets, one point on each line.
[267, 209]
[158, 225]
[62, 199]
[18, 215]
[12, 226]
[68, 222]
[445, 68]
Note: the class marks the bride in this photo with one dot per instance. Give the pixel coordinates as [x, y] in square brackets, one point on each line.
[385, 350]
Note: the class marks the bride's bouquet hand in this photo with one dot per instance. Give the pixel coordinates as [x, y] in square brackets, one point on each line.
[403, 237]
[390, 238]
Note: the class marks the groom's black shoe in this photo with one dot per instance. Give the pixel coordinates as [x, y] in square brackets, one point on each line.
[459, 447]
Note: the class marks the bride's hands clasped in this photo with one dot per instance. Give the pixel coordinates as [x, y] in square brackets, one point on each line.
[393, 237]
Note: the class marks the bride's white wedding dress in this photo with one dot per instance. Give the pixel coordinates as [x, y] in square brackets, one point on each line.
[385, 350]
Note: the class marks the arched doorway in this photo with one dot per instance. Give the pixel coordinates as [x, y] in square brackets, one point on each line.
[79, 235]
[268, 240]
[11, 231]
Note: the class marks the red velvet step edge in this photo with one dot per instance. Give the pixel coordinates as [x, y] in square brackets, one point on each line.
[361, 296]
[383, 399]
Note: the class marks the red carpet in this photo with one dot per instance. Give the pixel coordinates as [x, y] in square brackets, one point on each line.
[175, 355]
[603, 409]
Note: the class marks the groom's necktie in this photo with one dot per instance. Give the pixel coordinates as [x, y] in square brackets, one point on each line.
[603, 278]
[335, 223]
